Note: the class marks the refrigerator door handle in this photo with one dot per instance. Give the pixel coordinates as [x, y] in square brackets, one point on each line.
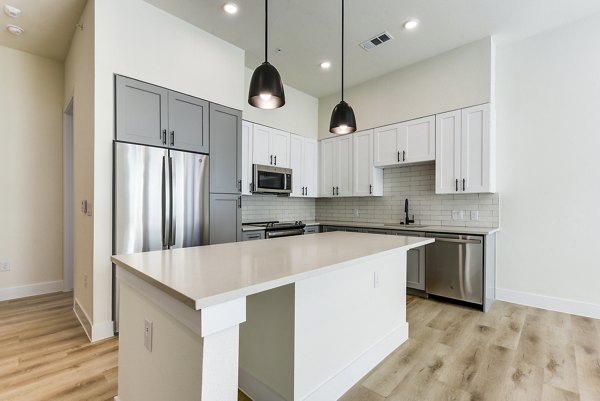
[171, 206]
[164, 203]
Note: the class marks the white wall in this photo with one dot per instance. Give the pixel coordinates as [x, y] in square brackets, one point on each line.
[548, 102]
[79, 86]
[299, 115]
[449, 81]
[30, 173]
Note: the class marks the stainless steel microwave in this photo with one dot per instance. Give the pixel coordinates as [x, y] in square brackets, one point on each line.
[271, 179]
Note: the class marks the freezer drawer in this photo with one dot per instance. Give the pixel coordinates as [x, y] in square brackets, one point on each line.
[454, 266]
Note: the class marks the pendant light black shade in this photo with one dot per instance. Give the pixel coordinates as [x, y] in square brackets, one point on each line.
[266, 87]
[342, 118]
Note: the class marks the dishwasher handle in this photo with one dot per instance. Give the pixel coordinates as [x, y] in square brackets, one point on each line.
[458, 241]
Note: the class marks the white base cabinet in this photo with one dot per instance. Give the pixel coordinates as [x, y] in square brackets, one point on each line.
[465, 151]
[304, 165]
[408, 142]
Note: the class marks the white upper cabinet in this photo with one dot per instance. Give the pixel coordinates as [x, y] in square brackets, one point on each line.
[367, 180]
[270, 146]
[465, 151]
[405, 143]
[336, 166]
[303, 162]
[247, 135]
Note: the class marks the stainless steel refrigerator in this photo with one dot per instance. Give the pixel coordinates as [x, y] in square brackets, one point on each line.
[161, 201]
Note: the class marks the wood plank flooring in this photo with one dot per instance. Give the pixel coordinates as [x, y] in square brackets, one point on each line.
[453, 354]
[511, 353]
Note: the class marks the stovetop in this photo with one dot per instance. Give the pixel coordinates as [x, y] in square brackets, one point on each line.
[276, 225]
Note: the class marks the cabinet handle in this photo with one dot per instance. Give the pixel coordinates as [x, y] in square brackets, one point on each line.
[333, 191]
[240, 185]
[275, 159]
[240, 202]
[398, 156]
[172, 138]
[164, 137]
[305, 191]
[370, 189]
[404, 155]
[251, 187]
[464, 182]
[456, 185]
[271, 160]
[337, 189]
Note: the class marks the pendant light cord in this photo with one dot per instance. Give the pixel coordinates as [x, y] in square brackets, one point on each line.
[342, 50]
[266, 27]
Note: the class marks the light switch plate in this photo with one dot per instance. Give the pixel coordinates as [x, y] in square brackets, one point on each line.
[457, 215]
[148, 334]
[4, 266]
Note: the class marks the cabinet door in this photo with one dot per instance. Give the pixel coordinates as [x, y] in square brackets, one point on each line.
[415, 268]
[261, 153]
[279, 143]
[246, 158]
[344, 166]
[385, 142]
[225, 149]
[447, 152]
[328, 160]
[141, 112]
[225, 218]
[297, 165]
[475, 150]
[363, 163]
[188, 123]
[311, 167]
[418, 140]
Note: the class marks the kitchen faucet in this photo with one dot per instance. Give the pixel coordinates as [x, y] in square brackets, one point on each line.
[407, 220]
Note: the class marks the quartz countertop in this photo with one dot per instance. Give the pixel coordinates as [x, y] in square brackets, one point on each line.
[208, 275]
[410, 227]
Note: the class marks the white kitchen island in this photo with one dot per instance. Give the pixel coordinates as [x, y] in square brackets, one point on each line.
[296, 318]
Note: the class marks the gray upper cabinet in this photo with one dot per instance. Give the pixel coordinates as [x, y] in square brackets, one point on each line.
[225, 150]
[142, 112]
[150, 115]
[188, 123]
[225, 218]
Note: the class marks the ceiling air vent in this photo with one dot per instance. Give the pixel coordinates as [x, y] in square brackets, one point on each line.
[376, 41]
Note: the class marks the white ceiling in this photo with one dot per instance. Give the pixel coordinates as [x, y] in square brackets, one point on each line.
[308, 31]
[49, 26]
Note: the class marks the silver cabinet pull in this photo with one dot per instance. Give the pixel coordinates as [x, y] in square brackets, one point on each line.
[456, 185]
[404, 155]
[172, 138]
[464, 184]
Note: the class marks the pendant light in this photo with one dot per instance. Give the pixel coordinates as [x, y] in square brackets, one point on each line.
[342, 118]
[266, 88]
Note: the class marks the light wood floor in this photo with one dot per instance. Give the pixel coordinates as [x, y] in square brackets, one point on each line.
[453, 354]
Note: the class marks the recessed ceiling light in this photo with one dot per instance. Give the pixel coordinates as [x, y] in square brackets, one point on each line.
[325, 65]
[15, 30]
[411, 24]
[12, 11]
[230, 8]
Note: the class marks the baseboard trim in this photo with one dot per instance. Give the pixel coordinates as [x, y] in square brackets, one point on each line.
[103, 330]
[256, 389]
[83, 318]
[31, 290]
[95, 332]
[550, 303]
[339, 384]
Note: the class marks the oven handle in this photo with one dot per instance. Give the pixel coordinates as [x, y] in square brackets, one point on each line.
[458, 241]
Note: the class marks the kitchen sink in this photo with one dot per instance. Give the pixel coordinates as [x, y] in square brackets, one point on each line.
[404, 225]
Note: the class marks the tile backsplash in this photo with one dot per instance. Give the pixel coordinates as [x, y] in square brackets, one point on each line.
[269, 207]
[417, 183]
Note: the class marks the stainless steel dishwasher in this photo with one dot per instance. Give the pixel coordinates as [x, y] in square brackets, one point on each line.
[454, 267]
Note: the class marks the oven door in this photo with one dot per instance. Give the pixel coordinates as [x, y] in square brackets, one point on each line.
[269, 179]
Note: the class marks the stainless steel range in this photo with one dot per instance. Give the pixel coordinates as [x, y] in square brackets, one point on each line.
[276, 229]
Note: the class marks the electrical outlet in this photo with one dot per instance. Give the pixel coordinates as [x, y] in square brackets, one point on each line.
[84, 206]
[356, 212]
[4, 266]
[148, 335]
[474, 215]
[375, 279]
[85, 281]
[458, 215]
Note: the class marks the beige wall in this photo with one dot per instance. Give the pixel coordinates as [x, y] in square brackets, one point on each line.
[79, 86]
[548, 134]
[299, 115]
[449, 81]
[31, 98]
